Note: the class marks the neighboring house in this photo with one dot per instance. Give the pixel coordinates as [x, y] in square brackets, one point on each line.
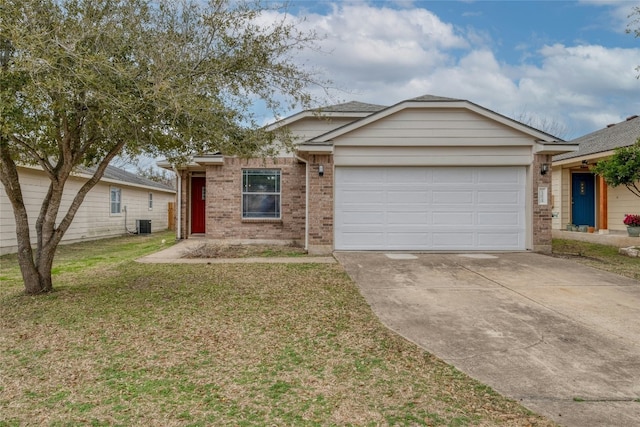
[111, 208]
[583, 198]
[428, 173]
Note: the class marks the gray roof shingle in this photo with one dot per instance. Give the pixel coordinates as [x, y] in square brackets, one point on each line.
[122, 175]
[621, 134]
[432, 98]
[353, 107]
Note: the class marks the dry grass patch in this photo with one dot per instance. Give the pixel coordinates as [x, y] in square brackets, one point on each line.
[230, 344]
[602, 257]
[227, 250]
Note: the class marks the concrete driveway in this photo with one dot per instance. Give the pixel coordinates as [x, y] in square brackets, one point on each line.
[561, 338]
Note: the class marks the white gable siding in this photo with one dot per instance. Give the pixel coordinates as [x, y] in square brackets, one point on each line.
[311, 127]
[93, 220]
[428, 127]
[434, 137]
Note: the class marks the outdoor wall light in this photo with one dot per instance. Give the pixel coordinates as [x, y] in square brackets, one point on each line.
[544, 168]
[320, 170]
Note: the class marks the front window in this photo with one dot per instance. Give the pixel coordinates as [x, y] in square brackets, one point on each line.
[116, 200]
[150, 201]
[261, 193]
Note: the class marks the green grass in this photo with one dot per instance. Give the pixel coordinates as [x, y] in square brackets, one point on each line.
[602, 257]
[122, 343]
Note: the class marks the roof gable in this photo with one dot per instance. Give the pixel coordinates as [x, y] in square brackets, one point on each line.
[353, 109]
[431, 101]
[621, 134]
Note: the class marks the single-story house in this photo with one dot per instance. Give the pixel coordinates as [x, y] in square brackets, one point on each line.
[120, 203]
[429, 173]
[583, 198]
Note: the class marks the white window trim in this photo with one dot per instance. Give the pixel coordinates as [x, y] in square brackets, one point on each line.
[278, 173]
[150, 201]
[111, 201]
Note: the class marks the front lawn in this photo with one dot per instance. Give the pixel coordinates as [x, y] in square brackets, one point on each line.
[123, 343]
[602, 257]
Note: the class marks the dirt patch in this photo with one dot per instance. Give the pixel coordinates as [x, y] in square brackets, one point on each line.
[225, 250]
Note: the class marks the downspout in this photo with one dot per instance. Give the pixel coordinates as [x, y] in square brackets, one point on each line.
[179, 207]
[306, 201]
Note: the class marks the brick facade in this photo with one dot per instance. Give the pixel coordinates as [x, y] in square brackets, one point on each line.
[224, 202]
[541, 214]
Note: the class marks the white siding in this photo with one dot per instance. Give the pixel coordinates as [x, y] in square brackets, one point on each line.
[434, 137]
[311, 127]
[93, 220]
[556, 196]
[434, 127]
[432, 156]
[620, 202]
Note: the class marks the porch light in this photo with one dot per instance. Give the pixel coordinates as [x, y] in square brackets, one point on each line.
[544, 168]
[320, 170]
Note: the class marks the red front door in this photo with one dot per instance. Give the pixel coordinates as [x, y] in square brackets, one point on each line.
[198, 196]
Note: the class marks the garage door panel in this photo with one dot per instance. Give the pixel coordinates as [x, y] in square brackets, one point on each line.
[452, 197]
[407, 239]
[361, 196]
[407, 197]
[363, 217]
[410, 219]
[503, 197]
[494, 218]
[452, 176]
[357, 240]
[406, 175]
[430, 208]
[490, 239]
[500, 176]
[453, 218]
[362, 175]
[453, 240]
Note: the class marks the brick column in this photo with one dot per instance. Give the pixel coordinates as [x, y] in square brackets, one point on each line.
[541, 214]
[320, 204]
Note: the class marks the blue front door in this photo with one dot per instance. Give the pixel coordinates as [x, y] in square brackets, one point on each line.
[583, 202]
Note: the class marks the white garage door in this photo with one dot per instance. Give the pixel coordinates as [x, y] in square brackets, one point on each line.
[430, 208]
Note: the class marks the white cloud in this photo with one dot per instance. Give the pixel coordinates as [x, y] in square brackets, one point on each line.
[383, 55]
[370, 45]
[618, 11]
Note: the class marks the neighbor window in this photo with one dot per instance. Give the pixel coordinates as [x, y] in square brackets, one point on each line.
[116, 200]
[260, 193]
[150, 201]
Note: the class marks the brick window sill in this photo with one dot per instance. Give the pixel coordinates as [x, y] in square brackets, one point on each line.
[262, 221]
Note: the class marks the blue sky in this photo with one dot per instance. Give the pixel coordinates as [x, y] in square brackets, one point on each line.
[569, 64]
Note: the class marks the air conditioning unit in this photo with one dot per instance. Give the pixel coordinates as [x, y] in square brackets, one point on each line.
[143, 226]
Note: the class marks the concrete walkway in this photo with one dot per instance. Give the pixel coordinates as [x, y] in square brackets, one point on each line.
[561, 338]
[175, 254]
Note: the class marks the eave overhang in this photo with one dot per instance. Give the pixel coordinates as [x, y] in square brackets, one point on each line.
[553, 148]
[315, 148]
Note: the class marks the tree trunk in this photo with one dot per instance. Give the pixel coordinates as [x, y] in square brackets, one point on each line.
[36, 280]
